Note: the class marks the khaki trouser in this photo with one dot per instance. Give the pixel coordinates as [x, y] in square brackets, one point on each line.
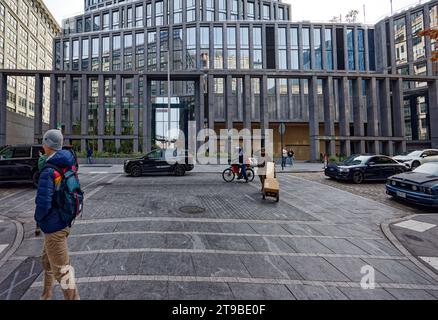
[56, 264]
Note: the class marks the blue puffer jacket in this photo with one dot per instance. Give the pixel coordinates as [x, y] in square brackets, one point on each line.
[46, 214]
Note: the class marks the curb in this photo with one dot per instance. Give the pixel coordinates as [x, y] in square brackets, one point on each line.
[385, 227]
[19, 237]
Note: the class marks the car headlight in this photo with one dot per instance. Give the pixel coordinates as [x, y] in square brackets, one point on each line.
[344, 170]
[415, 188]
[393, 183]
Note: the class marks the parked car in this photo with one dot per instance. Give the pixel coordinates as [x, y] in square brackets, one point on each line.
[419, 186]
[416, 158]
[160, 161]
[20, 163]
[360, 168]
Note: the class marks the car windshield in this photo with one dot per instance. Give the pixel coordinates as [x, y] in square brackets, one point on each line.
[428, 168]
[355, 160]
[414, 154]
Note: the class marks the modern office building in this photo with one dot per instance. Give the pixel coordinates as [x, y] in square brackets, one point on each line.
[339, 88]
[27, 30]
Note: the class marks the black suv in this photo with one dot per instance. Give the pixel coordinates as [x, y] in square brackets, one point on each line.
[20, 163]
[160, 160]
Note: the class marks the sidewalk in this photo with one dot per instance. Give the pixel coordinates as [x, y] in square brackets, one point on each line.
[299, 167]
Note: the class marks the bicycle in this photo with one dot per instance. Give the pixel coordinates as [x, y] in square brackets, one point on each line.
[230, 173]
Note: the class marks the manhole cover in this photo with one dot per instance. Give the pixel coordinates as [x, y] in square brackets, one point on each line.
[192, 210]
[414, 238]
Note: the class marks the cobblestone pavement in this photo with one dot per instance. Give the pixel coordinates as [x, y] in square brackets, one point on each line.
[134, 242]
[372, 190]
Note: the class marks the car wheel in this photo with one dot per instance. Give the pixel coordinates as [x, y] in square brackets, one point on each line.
[36, 178]
[415, 164]
[135, 171]
[179, 171]
[358, 177]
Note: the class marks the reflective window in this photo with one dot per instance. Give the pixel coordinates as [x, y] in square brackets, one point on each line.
[329, 49]
[130, 18]
[66, 55]
[128, 52]
[244, 47]
[75, 64]
[177, 11]
[306, 48]
[95, 54]
[350, 45]
[152, 51]
[149, 15]
[106, 53]
[266, 12]
[218, 48]
[235, 10]
[177, 49]
[371, 48]
[222, 10]
[106, 23]
[209, 6]
[231, 46]
[361, 48]
[116, 20]
[318, 48]
[280, 14]
[191, 10]
[401, 52]
[116, 51]
[418, 42]
[295, 62]
[139, 16]
[159, 13]
[139, 52]
[282, 48]
[191, 48]
[164, 47]
[257, 48]
[251, 11]
[96, 23]
[205, 47]
[433, 17]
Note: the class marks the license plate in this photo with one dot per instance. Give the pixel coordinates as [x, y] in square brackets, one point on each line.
[401, 194]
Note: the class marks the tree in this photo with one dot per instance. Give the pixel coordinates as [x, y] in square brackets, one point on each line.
[433, 35]
[351, 16]
[335, 19]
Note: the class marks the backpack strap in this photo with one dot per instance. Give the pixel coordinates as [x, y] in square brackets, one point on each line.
[54, 167]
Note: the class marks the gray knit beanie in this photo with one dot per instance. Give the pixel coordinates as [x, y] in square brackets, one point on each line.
[53, 139]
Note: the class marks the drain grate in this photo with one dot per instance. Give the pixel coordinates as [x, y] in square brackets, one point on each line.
[192, 210]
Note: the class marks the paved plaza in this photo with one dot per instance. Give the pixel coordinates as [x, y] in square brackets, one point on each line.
[136, 240]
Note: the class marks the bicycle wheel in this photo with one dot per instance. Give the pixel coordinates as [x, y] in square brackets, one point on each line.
[250, 174]
[228, 175]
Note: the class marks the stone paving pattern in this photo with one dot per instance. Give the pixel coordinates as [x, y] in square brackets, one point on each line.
[134, 243]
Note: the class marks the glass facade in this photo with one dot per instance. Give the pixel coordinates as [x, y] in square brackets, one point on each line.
[306, 48]
[282, 48]
[317, 45]
[418, 42]
[350, 49]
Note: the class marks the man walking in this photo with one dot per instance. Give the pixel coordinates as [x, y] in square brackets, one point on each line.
[283, 158]
[290, 155]
[89, 155]
[55, 258]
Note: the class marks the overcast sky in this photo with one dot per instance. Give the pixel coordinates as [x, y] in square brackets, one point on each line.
[318, 10]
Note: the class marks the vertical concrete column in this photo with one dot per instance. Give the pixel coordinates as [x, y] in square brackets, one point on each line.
[147, 115]
[358, 115]
[38, 118]
[211, 102]
[3, 108]
[313, 119]
[228, 102]
[344, 115]
[199, 106]
[118, 117]
[372, 116]
[398, 115]
[68, 105]
[53, 101]
[329, 115]
[367, 49]
[385, 114]
[264, 112]
[84, 111]
[433, 112]
[136, 107]
[101, 112]
[291, 115]
[247, 102]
